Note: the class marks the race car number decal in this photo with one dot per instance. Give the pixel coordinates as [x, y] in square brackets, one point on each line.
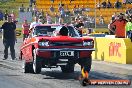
[66, 53]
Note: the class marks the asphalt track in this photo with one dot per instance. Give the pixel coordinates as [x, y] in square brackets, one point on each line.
[12, 76]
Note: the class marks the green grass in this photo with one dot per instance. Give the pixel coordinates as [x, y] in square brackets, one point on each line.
[13, 5]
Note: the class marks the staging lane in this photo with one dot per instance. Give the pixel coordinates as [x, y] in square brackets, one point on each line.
[11, 75]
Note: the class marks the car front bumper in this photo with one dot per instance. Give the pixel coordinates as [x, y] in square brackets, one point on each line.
[65, 49]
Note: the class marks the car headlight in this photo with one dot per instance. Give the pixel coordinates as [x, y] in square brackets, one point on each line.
[46, 43]
[87, 43]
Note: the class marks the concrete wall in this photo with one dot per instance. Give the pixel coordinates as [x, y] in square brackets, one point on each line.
[118, 50]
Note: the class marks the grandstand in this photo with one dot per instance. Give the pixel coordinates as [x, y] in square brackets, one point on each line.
[45, 5]
[105, 12]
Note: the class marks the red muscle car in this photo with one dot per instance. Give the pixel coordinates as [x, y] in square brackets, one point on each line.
[45, 48]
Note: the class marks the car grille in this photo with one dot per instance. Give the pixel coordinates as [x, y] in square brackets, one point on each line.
[65, 44]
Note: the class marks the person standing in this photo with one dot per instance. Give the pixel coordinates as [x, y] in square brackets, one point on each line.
[35, 23]
[128, 28]
[5, 15]
[118, 26]
[9, 37]
[79, 26]
[13, 16]
[25, 31]
[49, 19]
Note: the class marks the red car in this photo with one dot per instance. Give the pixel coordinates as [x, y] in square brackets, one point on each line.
[45, 48]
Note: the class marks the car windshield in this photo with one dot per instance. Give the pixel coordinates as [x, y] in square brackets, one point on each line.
[53, 31]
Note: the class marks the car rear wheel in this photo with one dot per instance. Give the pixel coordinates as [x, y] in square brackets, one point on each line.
[68, 68]
[36, 63]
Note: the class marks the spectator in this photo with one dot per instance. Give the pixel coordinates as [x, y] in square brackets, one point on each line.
[1, 16]
[119, 26]
[78, 10]
[41, 15]
[30, 9]
[124, 1]
[83, 8]
[111, 30]
[101, 20]
[62, 13]
[34, 2]
[71, 1]
[79, 25]
[56, 18]
[74, 10]
[118, 4]
[9, 37]
[25, 29]
[38, 14]
[98, 5]
[87, 8]
[104, 4]
[51, 8]
[35, 10]
[61, 20]
[22, 8]
[31, 2]
[13, 16]
[128, 28]
[33, 24]
[6, 15]
[52, 1]
[129, 11]
[67, 11]
[109, 5]
[114, 16]
[49, 19]
[129, 1]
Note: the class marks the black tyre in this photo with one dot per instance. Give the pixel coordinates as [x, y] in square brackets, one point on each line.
[68, 68]
[36, 63]
[28, 67]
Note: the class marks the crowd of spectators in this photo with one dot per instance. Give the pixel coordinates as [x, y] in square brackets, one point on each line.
[4, 15]
[108, 4]
[64, 14]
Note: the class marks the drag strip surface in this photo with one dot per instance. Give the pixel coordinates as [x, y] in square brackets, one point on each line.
[12, 76]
